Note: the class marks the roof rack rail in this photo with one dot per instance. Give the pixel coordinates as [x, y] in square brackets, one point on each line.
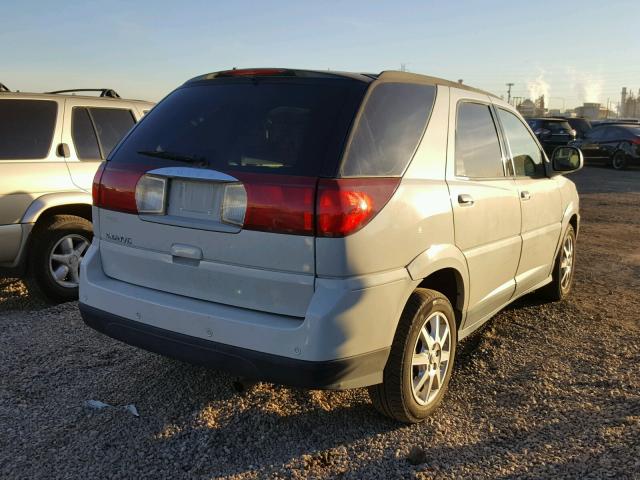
[4, 88]
[104, 92]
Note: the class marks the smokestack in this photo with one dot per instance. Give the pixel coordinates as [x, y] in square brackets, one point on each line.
[623, 102]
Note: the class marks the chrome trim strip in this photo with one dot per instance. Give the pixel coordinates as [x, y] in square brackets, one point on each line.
[193, 174]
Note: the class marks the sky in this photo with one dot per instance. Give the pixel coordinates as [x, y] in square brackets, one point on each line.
[573, 51]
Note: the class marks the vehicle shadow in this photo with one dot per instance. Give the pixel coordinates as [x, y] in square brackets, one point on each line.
[600, 179]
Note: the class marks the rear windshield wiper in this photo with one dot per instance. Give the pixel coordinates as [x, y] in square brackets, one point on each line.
[180, 157]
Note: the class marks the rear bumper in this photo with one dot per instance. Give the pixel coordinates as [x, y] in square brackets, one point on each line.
[343, 341]
[335, 374]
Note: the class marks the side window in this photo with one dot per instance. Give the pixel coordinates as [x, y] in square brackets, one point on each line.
[527, 157]
[26, 128]
[595, 134]
[111, 125]
[389, 130]
[611, 134]
[478, 152]
[84, 136]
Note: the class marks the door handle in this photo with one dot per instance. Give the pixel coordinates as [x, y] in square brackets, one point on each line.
[186, 251]
[524, 195]
[465, 200]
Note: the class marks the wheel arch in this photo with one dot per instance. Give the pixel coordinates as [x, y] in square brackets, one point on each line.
[443, 268]
[46, 207]
[72, 203]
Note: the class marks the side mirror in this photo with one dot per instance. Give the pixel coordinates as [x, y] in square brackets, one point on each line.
[567, 159]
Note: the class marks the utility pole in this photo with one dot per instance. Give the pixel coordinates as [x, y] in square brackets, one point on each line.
[509, 85]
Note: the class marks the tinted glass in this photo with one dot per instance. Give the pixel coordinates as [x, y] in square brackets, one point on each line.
[84, 136]
[26, 128]
[389, 130]
[558, 127]
[527, 157]
[287, 126]
[478, 152]
[111, 125]
[631, 131]
[595, 133]
[580, 124]
[612, 133]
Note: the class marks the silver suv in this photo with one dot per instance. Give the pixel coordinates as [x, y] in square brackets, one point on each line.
[50, 147]
[326, 230]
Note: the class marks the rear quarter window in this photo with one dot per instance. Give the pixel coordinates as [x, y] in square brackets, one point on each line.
[388, 130]
[26, 128]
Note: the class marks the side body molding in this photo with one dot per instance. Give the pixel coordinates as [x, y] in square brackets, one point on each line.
[439, 257]
[49, 200]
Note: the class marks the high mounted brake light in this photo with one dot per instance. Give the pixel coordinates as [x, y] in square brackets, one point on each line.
[253, 72]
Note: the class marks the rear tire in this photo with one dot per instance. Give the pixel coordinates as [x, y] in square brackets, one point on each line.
[563, 269]
[416, 376]
[619, 160]
[56, 250]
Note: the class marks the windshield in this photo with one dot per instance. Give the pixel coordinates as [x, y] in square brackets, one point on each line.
[292, 127]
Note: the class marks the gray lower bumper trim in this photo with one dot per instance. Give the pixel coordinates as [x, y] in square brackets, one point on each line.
[352, 372]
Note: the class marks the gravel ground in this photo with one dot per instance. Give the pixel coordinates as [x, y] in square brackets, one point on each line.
[14, 295]
[545, 390]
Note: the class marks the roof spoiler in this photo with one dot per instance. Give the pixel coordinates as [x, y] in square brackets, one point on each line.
[104, 92]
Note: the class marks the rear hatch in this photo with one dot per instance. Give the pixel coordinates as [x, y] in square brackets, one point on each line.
[558, 132]
[212, 195]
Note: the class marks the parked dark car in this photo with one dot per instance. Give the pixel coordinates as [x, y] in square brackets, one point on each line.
[552, 132]
[616, 145]
[580, 125]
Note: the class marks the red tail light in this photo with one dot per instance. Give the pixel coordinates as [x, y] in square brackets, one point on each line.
[279, 203]
[274, 203]
[346, 205]
[116, 189]
[635, 141]
[95, 187]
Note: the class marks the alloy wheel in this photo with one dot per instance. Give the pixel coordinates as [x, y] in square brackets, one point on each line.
[431, 358]
[65, 259]
[566, 263]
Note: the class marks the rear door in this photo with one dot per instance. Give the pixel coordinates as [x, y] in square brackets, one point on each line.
[611, 140]
[486, 208]
[540, 202]
[245, 149]
[29, 167]
[590, 146]
[92, 130]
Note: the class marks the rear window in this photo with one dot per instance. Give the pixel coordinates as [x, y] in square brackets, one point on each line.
[281, 126]
[389, 130]
[26, 128]
[557, 127]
